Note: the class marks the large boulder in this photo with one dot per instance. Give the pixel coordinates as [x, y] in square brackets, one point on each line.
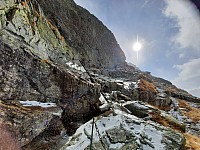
[122, 132]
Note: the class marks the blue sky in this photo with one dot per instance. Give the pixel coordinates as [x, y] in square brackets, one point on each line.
[169, 31]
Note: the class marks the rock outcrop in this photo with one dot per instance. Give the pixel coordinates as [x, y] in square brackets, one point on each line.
[122, 131]
[60, 66]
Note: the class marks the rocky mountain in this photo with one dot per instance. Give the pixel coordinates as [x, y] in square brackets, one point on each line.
[60, 67]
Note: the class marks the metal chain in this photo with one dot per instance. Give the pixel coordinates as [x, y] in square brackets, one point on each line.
[100, 137]
[97, 129]
[91, 138]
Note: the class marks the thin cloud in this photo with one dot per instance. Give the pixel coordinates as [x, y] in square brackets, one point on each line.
[188, 23]
[189, 76]
[195, 92]
[181, 55]
[187, 41]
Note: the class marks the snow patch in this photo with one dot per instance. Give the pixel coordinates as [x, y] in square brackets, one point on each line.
[128, 84]
[146, 132]
[137, 104]
[36, 103]
[102, 99]
[75, 66]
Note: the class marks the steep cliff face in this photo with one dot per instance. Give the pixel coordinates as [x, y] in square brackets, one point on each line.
[95, 44]
[36, 63]
[60, 66]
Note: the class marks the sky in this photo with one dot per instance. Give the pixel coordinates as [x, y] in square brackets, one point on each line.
[169, 31]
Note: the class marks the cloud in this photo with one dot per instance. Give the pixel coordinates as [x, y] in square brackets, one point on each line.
[181, 55]
[188, 23]
[189, 76]
[195, 92]
[187, 41]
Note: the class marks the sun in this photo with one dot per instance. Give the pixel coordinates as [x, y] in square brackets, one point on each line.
[137, 46]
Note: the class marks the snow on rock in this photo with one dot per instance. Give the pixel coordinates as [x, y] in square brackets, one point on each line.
[175, 111]
[128, 84]
[105, 105]
[75, 66]
[102, 99]
[161, 92]
[119, 80]
[120, 130]
[36, 103]
[137, 104]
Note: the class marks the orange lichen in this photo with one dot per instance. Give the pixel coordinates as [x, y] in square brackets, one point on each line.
[192, 142]
[38, 14]
[189, 111]
[15, 108]
[44, 60]
[165, 108]
[51, 25]
[34, 23]
[147, 86]
[62, 38]
[24, 3]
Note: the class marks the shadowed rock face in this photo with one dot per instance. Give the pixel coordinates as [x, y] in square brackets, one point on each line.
[95, 44]
[25, 77]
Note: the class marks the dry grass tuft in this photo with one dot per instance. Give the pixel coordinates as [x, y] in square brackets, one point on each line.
[44, 60]
[164, 108]
[147, 86]
[192, 142]
[189, 111]
[182, 104]
[156, 117]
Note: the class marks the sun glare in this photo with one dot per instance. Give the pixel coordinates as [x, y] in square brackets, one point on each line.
[137, 46]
